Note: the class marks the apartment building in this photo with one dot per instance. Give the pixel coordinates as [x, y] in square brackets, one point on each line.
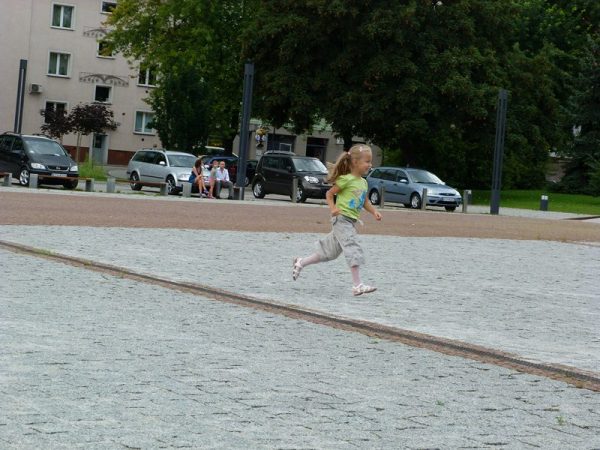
[55, 48]
[59, 43]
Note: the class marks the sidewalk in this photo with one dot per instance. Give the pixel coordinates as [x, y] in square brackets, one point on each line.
[94, 361]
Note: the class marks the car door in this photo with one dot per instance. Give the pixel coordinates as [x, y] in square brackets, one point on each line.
[17, 156]
[159, 168]
[403, 190]
[271, 172]
[5, 154]
[386, 180]
[286, 175]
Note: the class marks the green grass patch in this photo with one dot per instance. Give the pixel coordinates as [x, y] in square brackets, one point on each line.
[91, 170]
[568, 203]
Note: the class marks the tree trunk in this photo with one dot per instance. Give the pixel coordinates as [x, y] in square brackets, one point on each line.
[78, 145]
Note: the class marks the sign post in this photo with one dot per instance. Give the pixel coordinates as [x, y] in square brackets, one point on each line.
[499, 151]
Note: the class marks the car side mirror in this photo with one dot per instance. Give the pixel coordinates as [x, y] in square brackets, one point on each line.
[161, 163]
[403, 180]
[289, 169]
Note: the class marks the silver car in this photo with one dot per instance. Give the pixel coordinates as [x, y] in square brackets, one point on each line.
[153, 165]
[405, 185]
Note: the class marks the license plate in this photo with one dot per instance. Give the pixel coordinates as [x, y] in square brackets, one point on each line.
[59, 174]
[448, 199]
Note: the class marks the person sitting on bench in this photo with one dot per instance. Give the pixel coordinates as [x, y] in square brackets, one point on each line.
[222, 180]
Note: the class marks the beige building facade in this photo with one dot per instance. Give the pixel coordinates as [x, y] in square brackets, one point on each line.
[60, 44]
[66, 65]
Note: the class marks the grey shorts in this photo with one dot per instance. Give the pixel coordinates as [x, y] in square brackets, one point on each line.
[343, 238]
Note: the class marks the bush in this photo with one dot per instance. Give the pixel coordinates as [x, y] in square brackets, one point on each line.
[90, 170]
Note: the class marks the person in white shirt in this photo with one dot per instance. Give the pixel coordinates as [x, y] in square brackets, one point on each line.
[222, 179]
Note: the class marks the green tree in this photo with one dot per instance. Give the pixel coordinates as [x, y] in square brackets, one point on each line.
[583, 172]
[195, 48]
[419, 78]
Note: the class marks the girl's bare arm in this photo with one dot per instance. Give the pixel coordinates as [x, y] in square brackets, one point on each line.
[329, 196]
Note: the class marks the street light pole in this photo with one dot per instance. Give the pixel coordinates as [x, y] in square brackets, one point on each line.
[499, 151]
[20, 96]
[245, 127]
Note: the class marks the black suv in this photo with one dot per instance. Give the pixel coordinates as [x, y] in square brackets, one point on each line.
[277, 170]
[21, 155]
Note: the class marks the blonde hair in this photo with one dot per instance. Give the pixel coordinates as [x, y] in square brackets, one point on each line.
[346, 160]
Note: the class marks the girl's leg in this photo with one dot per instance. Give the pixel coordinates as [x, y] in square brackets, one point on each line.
[301, 263]
[358, 287]
[312, 259]
[354, 270]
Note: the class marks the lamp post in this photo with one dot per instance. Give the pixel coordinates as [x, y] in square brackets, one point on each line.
[245, 127]
[20, 96]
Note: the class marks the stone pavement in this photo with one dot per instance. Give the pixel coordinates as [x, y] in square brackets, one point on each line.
[95, 361]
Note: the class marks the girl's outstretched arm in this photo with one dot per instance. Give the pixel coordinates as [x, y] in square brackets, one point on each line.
[371, 209]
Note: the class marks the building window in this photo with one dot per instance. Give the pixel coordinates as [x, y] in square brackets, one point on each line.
[104, 50]
[146, 77]
[59, 64]
[102, 94]
[54, 108]
[62, 16]
[143, 120]
[108, 6]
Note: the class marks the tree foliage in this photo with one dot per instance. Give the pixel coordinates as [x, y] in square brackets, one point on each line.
[56, 123]
[195, 48]
[419, 77]
[583, 172]
[84, 119]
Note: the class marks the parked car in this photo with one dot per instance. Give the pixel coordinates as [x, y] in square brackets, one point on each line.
[405, 185]
[155, 165]
[23, 155]
[250, 170]
[277, 170]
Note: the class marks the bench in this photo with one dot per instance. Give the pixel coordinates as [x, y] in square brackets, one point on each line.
[159, 184]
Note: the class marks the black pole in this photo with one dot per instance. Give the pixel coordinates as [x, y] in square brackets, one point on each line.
[20, 96]
[499, 151]
[245, 127]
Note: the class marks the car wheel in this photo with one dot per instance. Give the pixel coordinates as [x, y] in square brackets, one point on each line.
[24, 176]
[135, 186]
[71, 184]
[450, 208]
[258, 189]
[300, 195]
[171, 185]
[374, 197]
[415, 201]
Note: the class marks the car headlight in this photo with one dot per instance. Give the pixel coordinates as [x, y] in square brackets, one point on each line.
[184, 177]
[74, 169]
[38, 166]
[311, 180]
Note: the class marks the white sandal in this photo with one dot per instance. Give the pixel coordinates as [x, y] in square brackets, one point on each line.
[362, 289]
[297, 268]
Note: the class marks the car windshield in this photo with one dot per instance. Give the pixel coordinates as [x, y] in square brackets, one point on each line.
[45, 147]
[309, 165]
[422, 176]
[182, 160]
